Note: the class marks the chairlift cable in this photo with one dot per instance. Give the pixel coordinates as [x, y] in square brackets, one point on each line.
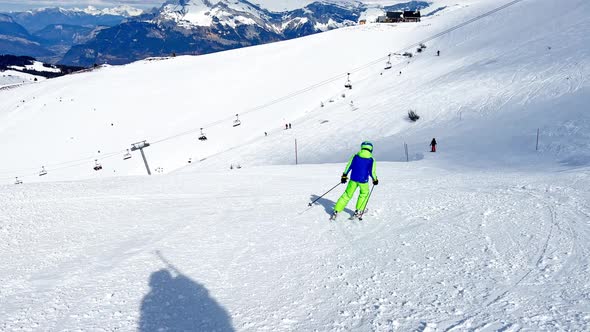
[340, 76]
[295, 93]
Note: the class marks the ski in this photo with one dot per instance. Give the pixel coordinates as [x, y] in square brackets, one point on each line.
[358, 215]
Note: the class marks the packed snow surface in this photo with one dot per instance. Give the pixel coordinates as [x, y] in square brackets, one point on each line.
[490, 233]
[443, 249]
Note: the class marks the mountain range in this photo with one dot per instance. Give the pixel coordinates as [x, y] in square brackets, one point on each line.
[49, 33]
[122, 35]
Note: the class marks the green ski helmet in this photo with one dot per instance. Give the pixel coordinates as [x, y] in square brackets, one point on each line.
[366, 145]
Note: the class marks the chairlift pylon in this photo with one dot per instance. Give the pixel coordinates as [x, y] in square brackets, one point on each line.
[43, 171]
[237, 121]
[127, 155]
[97, 165]
[388, 64]
[348, 84]
[202, 137]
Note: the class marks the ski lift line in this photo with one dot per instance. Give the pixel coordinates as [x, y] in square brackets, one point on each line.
[81, 162]
[397, 65]
[103, 156]
[51, 166]
[85, 162]
[354, 70]
[319, 84]
[254, 109]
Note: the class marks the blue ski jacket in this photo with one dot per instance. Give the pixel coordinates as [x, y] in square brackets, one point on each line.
[362, 165]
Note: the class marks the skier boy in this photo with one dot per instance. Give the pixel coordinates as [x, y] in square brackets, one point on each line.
[433, 145]
[362, 165]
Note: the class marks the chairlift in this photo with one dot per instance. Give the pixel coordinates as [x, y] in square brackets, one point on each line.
[203, 137]
[388, 63]
[127, 155]
[97, 166]
[237, 121]
[348, 84]
[18, 181]
[43, 171]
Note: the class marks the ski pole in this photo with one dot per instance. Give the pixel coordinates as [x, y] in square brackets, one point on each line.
[368, 198]
[317, 199]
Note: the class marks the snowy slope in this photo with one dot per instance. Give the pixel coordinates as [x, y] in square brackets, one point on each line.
[110, 108]
[485, 235]
[439, 250]
[13, 77]
[37, 66]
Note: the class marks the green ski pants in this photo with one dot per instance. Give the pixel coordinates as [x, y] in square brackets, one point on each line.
[349, 192]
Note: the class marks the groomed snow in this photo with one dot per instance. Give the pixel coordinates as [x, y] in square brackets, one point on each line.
[442, 249]
[487, 234]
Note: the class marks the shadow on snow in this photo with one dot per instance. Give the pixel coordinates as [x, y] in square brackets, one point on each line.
[177, 303]
[328, 204]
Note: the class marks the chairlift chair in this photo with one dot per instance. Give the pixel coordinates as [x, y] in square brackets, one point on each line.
[388, 63]
[348, 84]
[237, 121]
[43, 171]
[202, 137]
[127, 155]
[97, 166]
[18, 181]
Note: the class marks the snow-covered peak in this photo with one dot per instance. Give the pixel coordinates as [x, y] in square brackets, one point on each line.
[123, 10]
[202, 12]
[195, 12]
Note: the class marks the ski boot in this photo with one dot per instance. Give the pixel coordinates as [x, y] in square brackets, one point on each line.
[333, 216]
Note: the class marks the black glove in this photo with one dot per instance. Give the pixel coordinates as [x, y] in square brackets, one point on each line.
[375, 182]
[344, 178]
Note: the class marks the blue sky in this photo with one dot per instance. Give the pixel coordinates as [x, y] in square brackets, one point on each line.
[8, 5]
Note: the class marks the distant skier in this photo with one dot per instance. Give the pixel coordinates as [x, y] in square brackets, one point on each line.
[438, 53]
[289, 125]
[433, 145]
[362, 166]
[286, 126]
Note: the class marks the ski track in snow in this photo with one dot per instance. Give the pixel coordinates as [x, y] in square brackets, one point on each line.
[433, 253]
[485, 235]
